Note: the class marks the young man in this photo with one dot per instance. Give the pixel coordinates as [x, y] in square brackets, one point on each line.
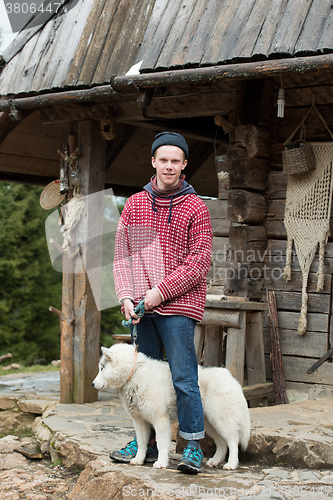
[163, 252]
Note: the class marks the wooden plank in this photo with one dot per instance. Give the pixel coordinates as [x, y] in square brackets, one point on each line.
[235, 304]
[258, 391]
[92, 19]
[131, 18]
[326, 37]
[218, 213]
[248, 173]
[52, 52]
[276, 185]
[289, 321]
[188, 33]
[21, 144]
[236, 28]
[290, 27]
[246, 40]
[313, 27]
[199, 338]
[62, 76]
[12, 76]
[169, 15]
[255, 356]
[152, 27]
[201, 104]
[295, 370]
[18, 43]
[106, 25]
[220, 317]
[235, 352]
[275, 281]
[213, 346]
[269, 27]
[35, 166]
[185, 14]
[292, 301]
[311, 345]
[208, 26]
[315, 130]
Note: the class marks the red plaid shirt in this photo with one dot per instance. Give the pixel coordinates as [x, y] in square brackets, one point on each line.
[173, 257]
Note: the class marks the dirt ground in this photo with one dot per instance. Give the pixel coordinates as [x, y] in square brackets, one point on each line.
[22, 478]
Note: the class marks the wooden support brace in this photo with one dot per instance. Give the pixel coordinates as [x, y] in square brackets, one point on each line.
[235, 354]
[255, 354]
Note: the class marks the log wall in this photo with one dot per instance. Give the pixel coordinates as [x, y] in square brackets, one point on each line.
[299, 352]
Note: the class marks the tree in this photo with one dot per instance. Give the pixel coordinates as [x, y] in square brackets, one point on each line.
[29, 285]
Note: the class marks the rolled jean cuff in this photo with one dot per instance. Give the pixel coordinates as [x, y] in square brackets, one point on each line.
[189, 436]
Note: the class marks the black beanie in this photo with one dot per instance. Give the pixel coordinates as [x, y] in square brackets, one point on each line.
[169, 139]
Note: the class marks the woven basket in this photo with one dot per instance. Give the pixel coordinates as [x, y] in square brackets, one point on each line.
[298, 157]
[51, 196]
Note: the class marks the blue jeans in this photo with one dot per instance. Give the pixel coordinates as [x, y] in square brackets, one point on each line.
[176, 333]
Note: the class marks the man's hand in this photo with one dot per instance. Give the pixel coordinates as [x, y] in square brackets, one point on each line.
[129, 311]
[152, 299]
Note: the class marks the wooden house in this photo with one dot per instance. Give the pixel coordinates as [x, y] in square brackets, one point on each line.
[113, 73]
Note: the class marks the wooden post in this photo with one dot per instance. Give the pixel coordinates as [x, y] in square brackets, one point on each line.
[87, 317]
[255, 354]
[67, 331]
[235, 355]
[246, 207]
[67, 316]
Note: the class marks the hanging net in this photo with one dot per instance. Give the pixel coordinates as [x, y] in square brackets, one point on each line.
[307, 219]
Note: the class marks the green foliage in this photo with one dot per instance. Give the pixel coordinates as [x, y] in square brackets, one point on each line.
[28, 283]
[111, 324]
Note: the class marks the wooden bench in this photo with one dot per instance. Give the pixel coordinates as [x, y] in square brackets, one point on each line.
[240, 323]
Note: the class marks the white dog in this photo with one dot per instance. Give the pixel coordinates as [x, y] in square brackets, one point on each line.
[146, 390]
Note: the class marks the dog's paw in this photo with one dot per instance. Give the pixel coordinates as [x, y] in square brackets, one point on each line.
[211, 463]
[136, 461]
[159, 465]
[228, 466]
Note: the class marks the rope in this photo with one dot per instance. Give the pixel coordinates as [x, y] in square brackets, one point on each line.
[139, 311]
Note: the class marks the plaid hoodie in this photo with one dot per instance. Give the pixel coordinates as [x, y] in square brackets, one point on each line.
[171, 254]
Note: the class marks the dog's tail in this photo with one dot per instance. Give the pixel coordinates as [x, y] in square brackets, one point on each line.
[246, 430]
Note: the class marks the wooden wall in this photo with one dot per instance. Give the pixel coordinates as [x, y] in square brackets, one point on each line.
[299, 352]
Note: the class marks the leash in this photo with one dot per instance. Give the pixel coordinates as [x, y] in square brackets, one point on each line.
[139, 311]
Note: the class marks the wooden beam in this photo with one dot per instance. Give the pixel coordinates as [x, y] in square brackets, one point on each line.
[258, 391]
[34, 180]
[114, 148]
[220, 317]
[162, 125]
[87, 317]
[198, 155]
[7, 124]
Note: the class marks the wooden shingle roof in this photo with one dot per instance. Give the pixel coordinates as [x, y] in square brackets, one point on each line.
[98, 39]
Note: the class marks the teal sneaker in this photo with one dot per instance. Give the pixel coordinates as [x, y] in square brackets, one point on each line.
[126, 454]
[191, 460]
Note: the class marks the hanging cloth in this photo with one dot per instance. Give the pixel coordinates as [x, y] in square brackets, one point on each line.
[307, 219]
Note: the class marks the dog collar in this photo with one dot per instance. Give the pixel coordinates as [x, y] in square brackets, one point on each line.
[135, 358]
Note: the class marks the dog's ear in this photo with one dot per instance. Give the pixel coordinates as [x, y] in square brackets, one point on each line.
[106, 352]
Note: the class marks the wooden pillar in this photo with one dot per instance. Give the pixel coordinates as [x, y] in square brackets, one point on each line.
[255, 354]
[87, 317]
[235, 354]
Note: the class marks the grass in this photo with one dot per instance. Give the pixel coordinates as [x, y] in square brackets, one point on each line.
[20, 432]
[30, 369]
